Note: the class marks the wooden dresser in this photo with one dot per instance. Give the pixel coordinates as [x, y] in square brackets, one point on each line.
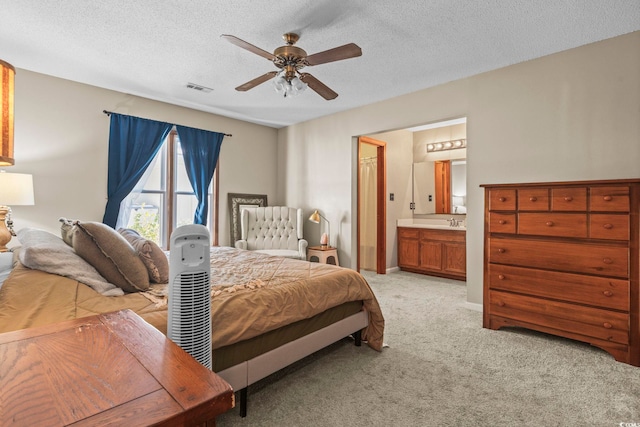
[106, 370]
[562, 258]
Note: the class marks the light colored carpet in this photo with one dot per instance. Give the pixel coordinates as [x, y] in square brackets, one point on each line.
[443, 369]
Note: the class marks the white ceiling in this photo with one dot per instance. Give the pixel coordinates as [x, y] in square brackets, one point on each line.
[153, 48]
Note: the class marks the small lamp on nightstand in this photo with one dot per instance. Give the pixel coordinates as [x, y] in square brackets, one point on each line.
[15, 189]
[315, 217]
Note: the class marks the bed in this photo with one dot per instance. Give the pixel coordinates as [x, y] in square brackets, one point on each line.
[267, 312]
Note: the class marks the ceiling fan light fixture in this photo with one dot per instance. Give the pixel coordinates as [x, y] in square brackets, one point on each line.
[288, 88]
[298, 85]
[280, 83]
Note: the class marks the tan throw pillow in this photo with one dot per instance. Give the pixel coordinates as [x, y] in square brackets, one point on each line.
[110, 254]
[151, 255]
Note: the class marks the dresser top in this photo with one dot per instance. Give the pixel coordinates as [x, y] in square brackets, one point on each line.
[565, 183]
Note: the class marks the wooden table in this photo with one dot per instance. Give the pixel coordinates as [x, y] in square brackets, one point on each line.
[107, 370]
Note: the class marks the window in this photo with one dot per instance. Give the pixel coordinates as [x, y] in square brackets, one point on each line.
[166, 199]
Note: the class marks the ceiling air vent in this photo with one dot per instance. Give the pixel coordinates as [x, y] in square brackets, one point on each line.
[199, 88]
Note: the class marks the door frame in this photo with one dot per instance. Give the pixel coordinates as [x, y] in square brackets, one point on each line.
[381, 204]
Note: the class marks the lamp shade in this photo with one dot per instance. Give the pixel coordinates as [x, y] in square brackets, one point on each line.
[16, 189]
[315, 217]
[7, 73]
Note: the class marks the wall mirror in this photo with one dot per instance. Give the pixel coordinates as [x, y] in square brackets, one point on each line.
[236, 203]
[450, 189]
[440, 168]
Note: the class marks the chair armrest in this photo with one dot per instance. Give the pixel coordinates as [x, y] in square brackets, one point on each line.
[241, 244]
[302, 248]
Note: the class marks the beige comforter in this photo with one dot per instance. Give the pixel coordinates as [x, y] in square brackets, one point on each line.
[251, 294]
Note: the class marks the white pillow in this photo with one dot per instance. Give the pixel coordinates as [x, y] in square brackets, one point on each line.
[47, 252]
[6, 265]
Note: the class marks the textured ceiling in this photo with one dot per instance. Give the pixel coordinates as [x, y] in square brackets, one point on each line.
[153, 48]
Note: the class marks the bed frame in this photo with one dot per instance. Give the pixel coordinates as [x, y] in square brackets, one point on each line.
[242, 375]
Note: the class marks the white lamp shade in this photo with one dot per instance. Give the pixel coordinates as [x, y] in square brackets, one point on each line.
[16, 189]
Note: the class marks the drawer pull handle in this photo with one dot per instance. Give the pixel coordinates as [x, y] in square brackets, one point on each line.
[501, 276]
[608, 293]
[607, 198]
[608, 226]
[500, 250]
[501, 303]
[607, 260]
[607, 325]
[550, 223]
[502, 199]
[533, 199]
[502, 222]
[568, 199]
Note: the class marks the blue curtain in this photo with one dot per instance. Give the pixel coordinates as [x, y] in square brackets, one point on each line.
[201, 149]
[133, 143]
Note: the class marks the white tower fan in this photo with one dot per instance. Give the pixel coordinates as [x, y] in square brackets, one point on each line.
[189, 318]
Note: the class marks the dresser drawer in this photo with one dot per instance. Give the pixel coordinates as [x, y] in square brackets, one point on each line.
[533, 199]
[502, 200]
[600, 260]
[502, 223]
[609, 199]
[553, 224]
[578, 319]
[577, 288]
[409, 233]
[613, 227]
[568, 199]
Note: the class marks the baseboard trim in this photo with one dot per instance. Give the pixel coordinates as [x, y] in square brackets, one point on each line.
[472, 306]
[393, 269]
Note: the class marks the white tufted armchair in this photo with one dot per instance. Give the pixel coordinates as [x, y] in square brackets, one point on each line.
[274, 230]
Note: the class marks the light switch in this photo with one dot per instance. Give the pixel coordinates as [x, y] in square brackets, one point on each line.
[391, 196]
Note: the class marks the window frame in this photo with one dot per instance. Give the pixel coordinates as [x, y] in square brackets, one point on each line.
[168, 192]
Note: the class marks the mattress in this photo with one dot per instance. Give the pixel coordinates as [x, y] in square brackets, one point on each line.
[253, 295]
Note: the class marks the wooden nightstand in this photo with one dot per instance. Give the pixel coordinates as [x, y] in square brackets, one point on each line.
[323, 254]
[111, 369]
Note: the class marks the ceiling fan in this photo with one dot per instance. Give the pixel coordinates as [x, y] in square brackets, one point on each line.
[290, 60]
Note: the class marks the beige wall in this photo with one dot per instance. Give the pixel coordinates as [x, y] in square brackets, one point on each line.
[61, 137]
[574, 115]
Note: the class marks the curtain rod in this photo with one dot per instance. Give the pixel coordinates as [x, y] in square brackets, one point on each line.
[109, 113]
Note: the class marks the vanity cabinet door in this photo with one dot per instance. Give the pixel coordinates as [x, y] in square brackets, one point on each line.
[431, 255]
[455, 258]
[408, 248]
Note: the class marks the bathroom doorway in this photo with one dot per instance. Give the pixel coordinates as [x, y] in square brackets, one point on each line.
[371, 228]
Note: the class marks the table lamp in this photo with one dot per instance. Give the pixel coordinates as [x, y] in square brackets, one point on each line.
[15, 189]
[315, 217]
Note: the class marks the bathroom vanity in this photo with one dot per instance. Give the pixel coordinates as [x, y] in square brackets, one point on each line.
[435, 247]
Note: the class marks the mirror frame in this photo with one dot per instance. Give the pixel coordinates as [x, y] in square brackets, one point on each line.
[235, 201]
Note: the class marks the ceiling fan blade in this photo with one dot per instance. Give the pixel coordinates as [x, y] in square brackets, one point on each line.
[255, 82]
[315, 84]
[350, 50]
[248, 46]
